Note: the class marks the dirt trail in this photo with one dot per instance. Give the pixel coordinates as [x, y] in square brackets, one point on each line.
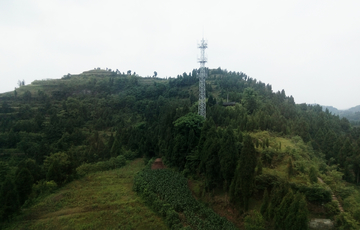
[332, 194]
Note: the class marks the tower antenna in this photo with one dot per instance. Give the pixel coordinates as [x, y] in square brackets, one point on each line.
[202, 99]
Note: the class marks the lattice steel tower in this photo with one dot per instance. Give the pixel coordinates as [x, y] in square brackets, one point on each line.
[202, 96]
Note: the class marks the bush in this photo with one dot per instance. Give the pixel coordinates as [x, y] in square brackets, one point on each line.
[345, 221]
[40, 189]
[314, 193]
[356, 214]
[264, 181]
[172, 218]
[112, 163]
[129, 155]
[345, 192]
[254, 221]
[332, 208]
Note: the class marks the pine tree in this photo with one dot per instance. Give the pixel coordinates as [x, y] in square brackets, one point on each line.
[290, 168]
[209, 139]
[208, 124]
[245, 173]
[259, 167]
[109, 146]
[213, 175]
[277, 195]
[56, 173]
[116, 146]
[265, 203]
[24, 182]
[328, 144]
[318, 140]
[345, 152]
[228, 156]
[313, 175]
[254, 221]
[302, 219]
[9, 199]
[282, 211]
[293, 212]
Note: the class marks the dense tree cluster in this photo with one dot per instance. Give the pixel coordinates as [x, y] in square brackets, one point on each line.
[46, 134]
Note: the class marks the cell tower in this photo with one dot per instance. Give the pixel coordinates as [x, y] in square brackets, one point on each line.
[202, 96]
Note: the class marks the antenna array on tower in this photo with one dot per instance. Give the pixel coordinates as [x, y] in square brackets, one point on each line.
[202, 96]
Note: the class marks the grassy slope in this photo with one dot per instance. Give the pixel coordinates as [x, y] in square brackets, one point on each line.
[103, 200]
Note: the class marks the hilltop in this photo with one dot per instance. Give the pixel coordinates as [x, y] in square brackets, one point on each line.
[245, 161]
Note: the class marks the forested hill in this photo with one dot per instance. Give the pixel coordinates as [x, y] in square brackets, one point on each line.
[352, 114]
[50, 128]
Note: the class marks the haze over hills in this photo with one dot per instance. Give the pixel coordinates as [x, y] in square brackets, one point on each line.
[352, 114]
[253, 164]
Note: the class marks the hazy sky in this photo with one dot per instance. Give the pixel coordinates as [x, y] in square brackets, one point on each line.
[309, 48]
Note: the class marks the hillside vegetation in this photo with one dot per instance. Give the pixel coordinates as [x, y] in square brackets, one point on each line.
[256, 163]
[352, 114]
[103, 200]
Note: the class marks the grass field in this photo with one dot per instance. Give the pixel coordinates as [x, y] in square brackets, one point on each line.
[102, 200]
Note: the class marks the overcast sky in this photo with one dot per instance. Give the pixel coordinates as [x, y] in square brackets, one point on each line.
[311, 49]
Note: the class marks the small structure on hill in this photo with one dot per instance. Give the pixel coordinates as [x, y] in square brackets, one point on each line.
[158, 164]
[228, 104]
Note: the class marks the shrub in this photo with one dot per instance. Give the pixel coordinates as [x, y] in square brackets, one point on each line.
[172, 218]
[332, 208]
[112, 163]
[254, 221]
[345, 192]
[39, 189]
[313, 175]
[314, 193]
[129, 155]
[345, 221]
[265, 180]
[356, 214]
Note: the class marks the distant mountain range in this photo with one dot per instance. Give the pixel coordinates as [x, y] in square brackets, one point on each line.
[352, 114]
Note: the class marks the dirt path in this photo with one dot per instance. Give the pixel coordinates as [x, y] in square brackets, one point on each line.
[332, 194]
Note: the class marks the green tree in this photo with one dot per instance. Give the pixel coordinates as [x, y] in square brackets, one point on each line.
[9, 199]
[58, 167]
[116, 146]
[277, 194]
[250, 100]
[313, 175]
[345, 152]
[290, 168]
[318, 140]
[254, 221]
[328, 144]
[190, 121]
[259, 167]
[243, 182]
[302, 219]
[297, 217]
[228, 156]
[24, 181]
[265, 203]
[213, 174]
[345, 221]
[4, 170]
[282, 211]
